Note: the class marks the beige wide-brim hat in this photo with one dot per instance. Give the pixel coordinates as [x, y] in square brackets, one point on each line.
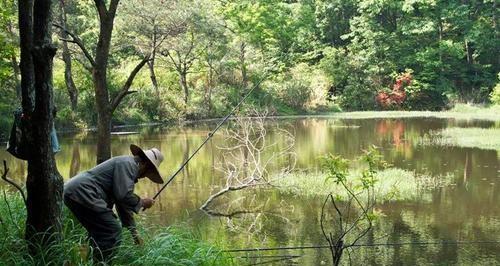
[155, 157]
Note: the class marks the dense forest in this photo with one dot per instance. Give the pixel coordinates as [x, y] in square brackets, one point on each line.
[181, 59]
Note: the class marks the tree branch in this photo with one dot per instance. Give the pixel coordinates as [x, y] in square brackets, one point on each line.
[4, 177]
[101, 9]
[125, 89]
[112, 7]
[77, 41]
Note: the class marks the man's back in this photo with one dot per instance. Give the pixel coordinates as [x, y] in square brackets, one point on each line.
[100, 186]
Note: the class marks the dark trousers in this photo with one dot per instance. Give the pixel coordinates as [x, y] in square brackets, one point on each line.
[103, 228]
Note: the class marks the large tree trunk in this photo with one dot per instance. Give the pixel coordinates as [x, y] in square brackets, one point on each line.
[44, 184]
[26, 64]
[103, 115]
[66, 55]
[99, 75]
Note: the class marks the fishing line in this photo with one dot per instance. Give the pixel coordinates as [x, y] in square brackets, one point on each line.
[367, 245]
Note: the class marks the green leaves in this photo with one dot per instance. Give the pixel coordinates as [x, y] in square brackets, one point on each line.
[337, 168]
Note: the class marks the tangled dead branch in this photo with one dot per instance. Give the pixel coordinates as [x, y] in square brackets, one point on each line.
[247, 156]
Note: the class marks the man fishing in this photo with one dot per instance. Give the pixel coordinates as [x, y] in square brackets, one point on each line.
[90, 196]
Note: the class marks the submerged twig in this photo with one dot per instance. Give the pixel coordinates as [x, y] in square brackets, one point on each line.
[4, 177]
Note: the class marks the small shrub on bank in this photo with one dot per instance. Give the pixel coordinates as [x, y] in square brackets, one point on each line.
[495, 95]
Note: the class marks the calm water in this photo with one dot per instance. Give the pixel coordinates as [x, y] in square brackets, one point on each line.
[466, 210]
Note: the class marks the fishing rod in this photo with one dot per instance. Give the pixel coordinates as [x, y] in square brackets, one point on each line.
[210, 135]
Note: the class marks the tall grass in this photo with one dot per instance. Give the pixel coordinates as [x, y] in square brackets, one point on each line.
[392, 184]
[162, 245]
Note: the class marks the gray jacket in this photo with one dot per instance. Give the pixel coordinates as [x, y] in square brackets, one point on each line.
[111, 182]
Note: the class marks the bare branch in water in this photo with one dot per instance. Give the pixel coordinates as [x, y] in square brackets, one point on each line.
[247, 156]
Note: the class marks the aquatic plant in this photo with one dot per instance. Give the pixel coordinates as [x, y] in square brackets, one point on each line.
[393, 184]
[483, 138]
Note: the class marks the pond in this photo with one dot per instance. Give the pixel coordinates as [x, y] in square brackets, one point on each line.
[465, 208]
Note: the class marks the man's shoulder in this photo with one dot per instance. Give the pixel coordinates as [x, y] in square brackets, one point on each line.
[125, 162]
[123, 159]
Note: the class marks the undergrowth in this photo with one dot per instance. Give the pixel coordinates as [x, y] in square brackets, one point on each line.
[162, 245]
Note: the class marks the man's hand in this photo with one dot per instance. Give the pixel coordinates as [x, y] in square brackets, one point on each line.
[147, 203]
[137, 239]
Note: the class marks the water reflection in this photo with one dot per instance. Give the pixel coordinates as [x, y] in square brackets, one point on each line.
[466, 210]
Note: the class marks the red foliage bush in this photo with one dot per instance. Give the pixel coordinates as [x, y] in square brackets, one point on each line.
[395, 98]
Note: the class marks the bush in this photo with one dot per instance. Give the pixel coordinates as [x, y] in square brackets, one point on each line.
[295, 93]
[129, 116]
[67, 119]
[357, 95]
[495, 95]
[420, 96]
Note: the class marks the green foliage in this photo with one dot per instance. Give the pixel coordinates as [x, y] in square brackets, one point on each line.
[321, 55]
[337, 168]
[495, 94]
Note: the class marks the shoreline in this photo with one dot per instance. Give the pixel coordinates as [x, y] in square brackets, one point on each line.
[485, 114]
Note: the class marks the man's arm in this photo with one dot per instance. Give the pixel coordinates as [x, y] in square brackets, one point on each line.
[127, 219]
[123, 186]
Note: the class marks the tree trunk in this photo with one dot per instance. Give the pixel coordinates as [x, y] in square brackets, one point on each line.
[99, 76]
[103, 137]
[74, 168]
[184, 86]
[15, 67]
[152, 75]
[26, 65]
[151, 66]
[208, 90]
[243, 64]
[14, 63]
[68, 76]
[44, 184]
[103, 115]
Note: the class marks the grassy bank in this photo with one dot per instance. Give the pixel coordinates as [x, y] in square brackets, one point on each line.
[392, 184]
[162, 246]
[459, 112]
[483, 138]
